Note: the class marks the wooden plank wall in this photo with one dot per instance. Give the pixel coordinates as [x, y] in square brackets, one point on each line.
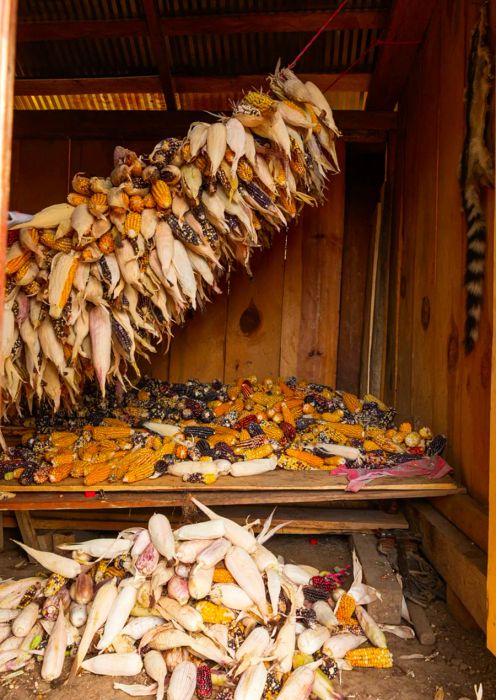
[285, 319]
[430, 378]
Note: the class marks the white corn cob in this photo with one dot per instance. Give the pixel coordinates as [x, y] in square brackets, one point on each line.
[78, 614]
[160, 577]
[164, 429]
[274, 588]
[231, 596]
[300, 683]
[191, 467]
[337, 645]
[253, 466]
[214, 553]
[253, 648]
[297, 574]
[25, 620]
[10, 642]
[235, 533]
[187, 552]
[311, 640]
[141, 542]
[53, 562]
[200, 581]
[182, 682]
[103, 547]
[100, 608]
[264, 558]
[201, 531]
[339, 450]
[252, 683]
[5, 631]
[138, 626]
[8, 615]
[114, 664]
[156, 668]
[244, 571]
[188, 617]
[118, 615]
[285, 642]
[53, 658]
[177, 589]
[216, 145]
[162, 536]
[371, 628]
[325, 614]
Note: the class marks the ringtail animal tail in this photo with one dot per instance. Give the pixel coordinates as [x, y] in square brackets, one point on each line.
[476, 170]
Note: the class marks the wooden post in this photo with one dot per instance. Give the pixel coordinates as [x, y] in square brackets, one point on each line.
[8, 17]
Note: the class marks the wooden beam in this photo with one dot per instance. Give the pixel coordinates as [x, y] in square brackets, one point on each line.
[491, 572]
[160, 51]
[468, 516]
[408, 22]
[353, 82]
[202, 24]
[458, 560]
[8, 17]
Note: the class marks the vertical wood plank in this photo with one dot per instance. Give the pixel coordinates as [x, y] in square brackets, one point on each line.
[254, 316]
[40, 176]
[313, 275]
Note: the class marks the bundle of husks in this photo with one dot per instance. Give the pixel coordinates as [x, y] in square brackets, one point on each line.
[206, 609]
[96, 281]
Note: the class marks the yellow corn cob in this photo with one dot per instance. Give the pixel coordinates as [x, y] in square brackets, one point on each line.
[64, 245]
[82, 184]
[293, 464]
[162, 194]
[334, 461]
[238, 405]
[108, 445]
[351, 431]
[222, 575]
[287, 414]
[149, 201]
[76, 199]
[244, 434]
[102, 456]
[98, 474]
[259, 100]
[370, 445]
[214, 614]
[63, 438]
[245, 171]
[136, 203]
[133, 223]
[32, 289]
[60, 472]
[316, 126]
[77, 468]
[98, 202]
[335, 435]
[104, 432]
[259, 452]
[17, 263]
[333, 417]
[345, 608]
[308, 457]
[386, 444]
[144, 471]
[106, 243]
[264, 399]
[228, 439]
[370, 657]
[351, 402]
[62, 458]
[399, 438]
[374, 432]
[53, 584]
[406, 428]
[272, 431]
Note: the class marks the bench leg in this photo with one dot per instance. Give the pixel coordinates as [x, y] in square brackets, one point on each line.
[28, 532]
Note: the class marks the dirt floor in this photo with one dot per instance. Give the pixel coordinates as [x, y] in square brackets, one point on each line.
[457, 662]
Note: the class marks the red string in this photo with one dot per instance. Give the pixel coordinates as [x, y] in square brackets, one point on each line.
[316, 36]
[376, 42]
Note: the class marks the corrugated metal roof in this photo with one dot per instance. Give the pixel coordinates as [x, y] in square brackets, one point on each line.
[189, 55]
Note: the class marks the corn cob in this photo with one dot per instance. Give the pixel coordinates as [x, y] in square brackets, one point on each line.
[136, 203]
[61, 458]
[162, 194]
[106, 243]
[287, 415]
[149, 201]
[113, 432]
[222, 575]
[351, 431]
[272, 431]
[345, 608]
[264, 399]
[352, 402]
[259, 100]
[406, 428]
[334, 416]
[386, 444]
[132, 223]
[82, 184]
[18, 262]
[99, 473]
[203, 681]
[64, 245]
[245, 171]
[293, 464]
[259, 452]
[143, 470]
[369, 657]
[53, 584]
[310, 459]
[370, 398]
[131, 459]
[98, 203]
[77, 469]
[63, 439]
[60, 472]
[75, 199]
[32, 289]
[214, 614]
[333, 434]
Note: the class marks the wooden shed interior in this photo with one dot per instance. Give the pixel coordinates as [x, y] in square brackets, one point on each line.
[365, 292]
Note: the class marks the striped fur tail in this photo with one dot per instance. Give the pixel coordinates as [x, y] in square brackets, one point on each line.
[475, 263]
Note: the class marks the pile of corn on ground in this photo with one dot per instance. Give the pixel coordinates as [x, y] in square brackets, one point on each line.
[207, 611]
[199, 431]
[97, 281]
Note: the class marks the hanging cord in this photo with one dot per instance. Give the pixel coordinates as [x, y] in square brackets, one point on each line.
[373, 45]
[317, 34]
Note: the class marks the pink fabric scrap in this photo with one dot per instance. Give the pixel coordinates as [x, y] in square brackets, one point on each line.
[429, 467]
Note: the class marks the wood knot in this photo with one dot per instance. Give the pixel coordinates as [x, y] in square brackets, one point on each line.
[425, 313]
[453, 349]
[315, 353]
[250, 319]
